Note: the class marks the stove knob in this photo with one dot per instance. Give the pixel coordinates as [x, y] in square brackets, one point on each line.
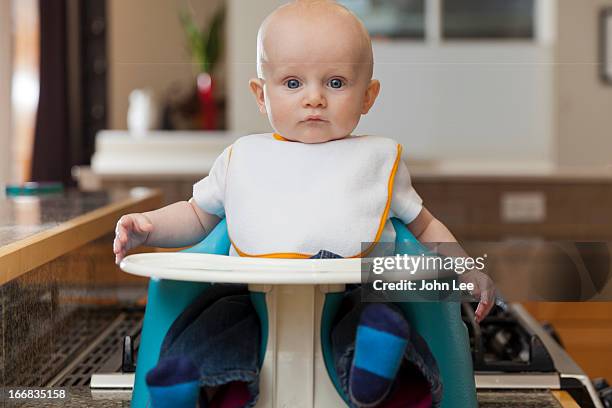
[127, 361]
[606, 397]
[600, 383]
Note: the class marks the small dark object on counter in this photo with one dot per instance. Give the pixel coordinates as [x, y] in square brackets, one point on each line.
[600, 383]
[606, 397]
[127, 360]
[34, 188]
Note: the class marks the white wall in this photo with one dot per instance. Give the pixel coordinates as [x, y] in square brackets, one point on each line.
[243, 20]
[461, 100]
[5, 90]
[464, 101]
[584, 118]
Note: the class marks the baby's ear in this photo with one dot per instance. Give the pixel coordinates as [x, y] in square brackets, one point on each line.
[257, 88]
[370, 96]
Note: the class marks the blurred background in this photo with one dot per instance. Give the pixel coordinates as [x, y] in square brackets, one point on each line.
[504, 109]
[498, 82]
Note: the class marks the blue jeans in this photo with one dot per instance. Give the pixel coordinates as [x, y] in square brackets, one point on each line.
[220, 332]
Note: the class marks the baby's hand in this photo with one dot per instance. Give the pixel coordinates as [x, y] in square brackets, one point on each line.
[484, 291]
[132, 230]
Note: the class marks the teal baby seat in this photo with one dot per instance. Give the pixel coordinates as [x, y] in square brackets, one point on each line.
[439, 323]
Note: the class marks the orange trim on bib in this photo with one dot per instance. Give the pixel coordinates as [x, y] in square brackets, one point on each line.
[279, 137]
[289, 255]
[381, 225]
[383, 219]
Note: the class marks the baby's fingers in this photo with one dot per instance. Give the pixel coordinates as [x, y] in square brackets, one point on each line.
[121, 237]
[485, 305]
[126, 223]
[119, 257]
[473, 288]
[119, 247]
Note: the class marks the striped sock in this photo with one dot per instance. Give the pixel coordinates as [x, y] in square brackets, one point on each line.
[174, 383]
[382, 336]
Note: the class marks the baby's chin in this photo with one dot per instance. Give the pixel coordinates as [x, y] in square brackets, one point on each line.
[312, 137]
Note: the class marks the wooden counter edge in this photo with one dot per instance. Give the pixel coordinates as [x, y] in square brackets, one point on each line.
[564, 399]
[24, 255]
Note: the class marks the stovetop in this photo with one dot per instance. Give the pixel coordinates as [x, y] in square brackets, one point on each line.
[511, 353]
[511, 350]
[502, 343]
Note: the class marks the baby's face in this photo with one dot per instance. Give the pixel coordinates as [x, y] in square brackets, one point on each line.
[316, 77]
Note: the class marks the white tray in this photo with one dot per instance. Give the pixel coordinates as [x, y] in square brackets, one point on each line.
[230, 269]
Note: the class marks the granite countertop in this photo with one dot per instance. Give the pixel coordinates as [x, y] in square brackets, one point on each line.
[37, 229]
[24, 216]
[82, 397]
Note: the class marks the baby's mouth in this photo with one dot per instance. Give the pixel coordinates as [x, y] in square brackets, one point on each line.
[314, 119]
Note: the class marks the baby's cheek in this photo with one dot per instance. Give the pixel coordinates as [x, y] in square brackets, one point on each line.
[280, 119]
[278, 112]
[350, 118]
[278, 105]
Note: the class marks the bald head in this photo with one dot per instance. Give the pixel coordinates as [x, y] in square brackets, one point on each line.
[313, 31]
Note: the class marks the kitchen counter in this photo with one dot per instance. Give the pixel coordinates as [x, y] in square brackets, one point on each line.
[82, 397]
[515, 171]
[158, 152]
[168, 154]
[56, 263]
[56, 231]
[36, 229]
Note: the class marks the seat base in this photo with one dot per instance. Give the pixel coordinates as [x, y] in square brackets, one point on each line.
[294, 372]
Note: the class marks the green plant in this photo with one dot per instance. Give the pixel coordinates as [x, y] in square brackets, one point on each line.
[204, 44]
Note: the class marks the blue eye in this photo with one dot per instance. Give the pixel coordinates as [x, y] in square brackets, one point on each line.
[336, 83]
[293, 84]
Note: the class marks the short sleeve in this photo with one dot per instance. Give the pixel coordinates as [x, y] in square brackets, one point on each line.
[406, 204]
[209, 193]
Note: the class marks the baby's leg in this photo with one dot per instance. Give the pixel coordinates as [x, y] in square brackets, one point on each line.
[382, 336]
[232, 395]
[410, 389]
[219, 332]
[417, 383]
[174, 382]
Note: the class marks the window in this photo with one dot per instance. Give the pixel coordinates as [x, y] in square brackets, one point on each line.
[391, 18]
[471, 19]
[458, 19]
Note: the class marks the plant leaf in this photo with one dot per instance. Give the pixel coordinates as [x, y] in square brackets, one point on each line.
[214, 44]
[194, 38]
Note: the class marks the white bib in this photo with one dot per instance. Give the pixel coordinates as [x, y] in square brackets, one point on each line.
[287, 199]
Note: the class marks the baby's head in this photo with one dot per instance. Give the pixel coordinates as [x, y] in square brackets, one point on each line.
[314, 62]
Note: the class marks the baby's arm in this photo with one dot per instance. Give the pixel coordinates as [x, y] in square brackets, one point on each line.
[427, 228]
[176, 225]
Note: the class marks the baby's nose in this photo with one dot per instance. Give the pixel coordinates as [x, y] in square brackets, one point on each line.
[314, 98]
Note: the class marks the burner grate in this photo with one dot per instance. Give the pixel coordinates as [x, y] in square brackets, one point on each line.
[36, 361]
[501, 343]
[103, 353]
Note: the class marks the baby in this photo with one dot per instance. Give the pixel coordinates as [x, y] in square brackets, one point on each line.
[308, 187]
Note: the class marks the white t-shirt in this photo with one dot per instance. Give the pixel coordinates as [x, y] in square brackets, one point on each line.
[291, 199]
